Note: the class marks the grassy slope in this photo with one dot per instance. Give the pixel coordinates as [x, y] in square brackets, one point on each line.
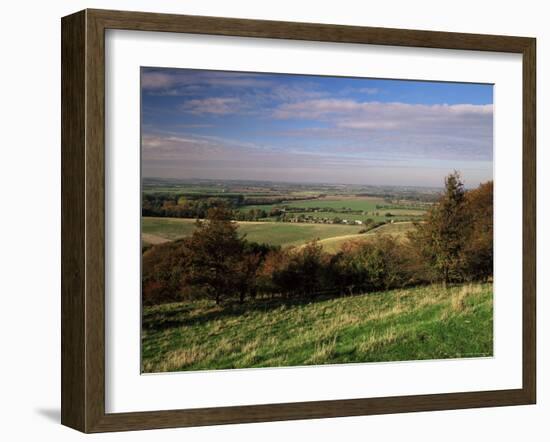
[169, 228]
[412, 324]
[269, 232]
[334, 244]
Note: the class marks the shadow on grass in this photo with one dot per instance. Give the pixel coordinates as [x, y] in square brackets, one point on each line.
[182, 315]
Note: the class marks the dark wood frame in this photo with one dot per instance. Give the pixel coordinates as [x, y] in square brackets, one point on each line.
[83, 217]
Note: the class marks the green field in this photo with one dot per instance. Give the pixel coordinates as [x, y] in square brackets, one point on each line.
[337, 203]
[169, 228]
[399, 325]
[341, 205]
[275, 233]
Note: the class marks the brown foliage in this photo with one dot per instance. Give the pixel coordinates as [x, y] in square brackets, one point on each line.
[478, 252]
[378, 264]
[162, 269]
[456, 240]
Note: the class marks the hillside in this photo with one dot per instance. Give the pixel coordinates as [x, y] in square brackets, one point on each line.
[335, 243]
[408, 324]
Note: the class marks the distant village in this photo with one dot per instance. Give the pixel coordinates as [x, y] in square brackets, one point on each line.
[288, 216]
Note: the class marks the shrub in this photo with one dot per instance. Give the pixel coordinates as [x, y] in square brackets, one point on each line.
[162, 269]
[383, 262]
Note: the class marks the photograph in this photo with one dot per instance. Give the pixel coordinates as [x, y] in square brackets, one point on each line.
[295, 220]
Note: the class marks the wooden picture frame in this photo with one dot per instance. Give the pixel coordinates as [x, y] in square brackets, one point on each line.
[83, 220]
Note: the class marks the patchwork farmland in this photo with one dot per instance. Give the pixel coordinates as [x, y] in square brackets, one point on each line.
[287, 216]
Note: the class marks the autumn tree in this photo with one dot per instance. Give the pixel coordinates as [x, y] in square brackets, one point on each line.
[478, 250]
[296, 271]
[309, 266]
[269, 274]
[442, 238]
[214, 256]
[383, 262]
[162, 271]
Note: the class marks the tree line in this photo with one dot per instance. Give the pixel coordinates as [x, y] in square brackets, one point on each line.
[197, 205]
[453, 244]
[180, 206]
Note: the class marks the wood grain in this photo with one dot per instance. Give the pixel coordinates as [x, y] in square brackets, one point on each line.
[83, 219]
[529, 221]
[73, 211]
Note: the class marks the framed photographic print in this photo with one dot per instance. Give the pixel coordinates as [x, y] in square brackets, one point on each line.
[267, 221]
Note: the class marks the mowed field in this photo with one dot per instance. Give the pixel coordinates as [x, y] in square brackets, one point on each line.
[408, 324]
[275, 233]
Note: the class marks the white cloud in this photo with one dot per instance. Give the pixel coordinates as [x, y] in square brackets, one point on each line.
[467, 128]
[450, 132]
[182, 82]
[369, 90]
[157, 80]
[398, 112]
[366, 124]
[213, 105]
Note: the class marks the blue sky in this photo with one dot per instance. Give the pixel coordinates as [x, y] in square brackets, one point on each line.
[304, 128]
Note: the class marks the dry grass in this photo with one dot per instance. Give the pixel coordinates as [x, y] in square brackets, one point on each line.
[153, 239]
[323, 351]
[375, 341]
[179, 359]
[460, 298]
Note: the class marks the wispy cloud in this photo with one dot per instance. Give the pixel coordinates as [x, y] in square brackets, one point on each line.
[186, 82]
[157, 80]
[466, 130]
[369, 90]
[213, 105]
[349, 110]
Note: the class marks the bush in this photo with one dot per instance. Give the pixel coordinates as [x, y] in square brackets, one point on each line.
[379, 264]
[162, 269]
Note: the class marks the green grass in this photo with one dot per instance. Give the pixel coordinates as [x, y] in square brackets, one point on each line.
[400, 325]
[169, 228]
[275, 233]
